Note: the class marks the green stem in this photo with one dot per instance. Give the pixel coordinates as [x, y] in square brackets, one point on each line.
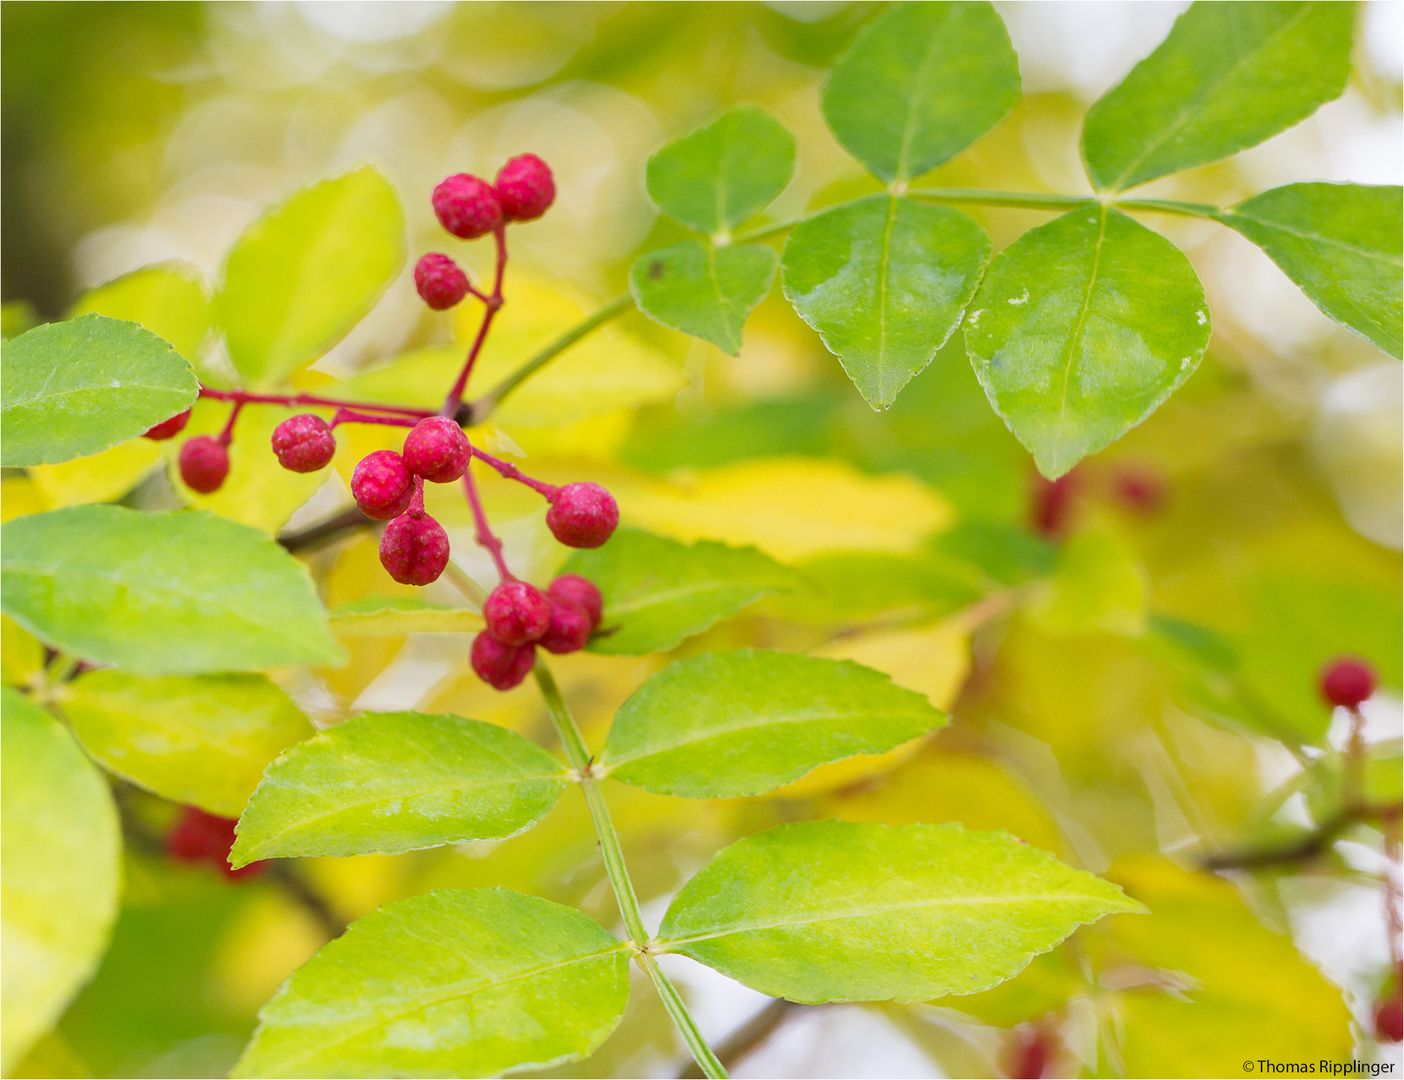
[1028, 200]
[677, 1009]
[1170, 206]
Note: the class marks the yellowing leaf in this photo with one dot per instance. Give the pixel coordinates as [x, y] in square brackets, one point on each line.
[99, 477]
[1099, 585]
[21, 655]
[19, 495]
[167, 298]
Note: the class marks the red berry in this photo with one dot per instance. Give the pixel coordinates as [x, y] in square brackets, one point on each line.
[304, 443]
[583, 515]
[382, 485]
[441, 281]
[169, 429]
[581, 591]
[517, 613]
[1389, 1019]
[1347, 682]
[1141, 491]
[501, 666]
[570, 627]
[204, 463]
[466, 206]
[1051, 504]
[437, 450]
[202, 837]
[414, 550]
[525, 187]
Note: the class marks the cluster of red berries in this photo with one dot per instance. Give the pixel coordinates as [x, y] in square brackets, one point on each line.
[202, 837]
[520, 617]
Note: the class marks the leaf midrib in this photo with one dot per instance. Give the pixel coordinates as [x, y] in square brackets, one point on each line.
[1081, 323]
[1372, 254]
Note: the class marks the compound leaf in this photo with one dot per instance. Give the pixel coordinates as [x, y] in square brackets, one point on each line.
[200, 741]
[1228, 76]
[161, 594]
[721, 174]
[659, 591]
[61, 849]
[885, 281]
[396, 782]
[1341, 244]
[747, 722]
[1081, 328]
[920, 84]
[703, 291]
[73, 388]
[846, 911]
[459, 982]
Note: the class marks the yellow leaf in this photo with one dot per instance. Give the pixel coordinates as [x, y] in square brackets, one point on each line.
[19, 495]
[1099, 585]
[99, 477]
[21, 655]
[166, 298]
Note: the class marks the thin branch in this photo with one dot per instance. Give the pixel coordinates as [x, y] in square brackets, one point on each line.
[485, 537]
[1308, 847]
[326, 531]
[511, 472]
[494, 304]
[748, 1038]
[243, 398]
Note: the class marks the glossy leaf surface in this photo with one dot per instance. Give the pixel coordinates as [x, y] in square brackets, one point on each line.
[161, 594]
[885, 282]
[463, 982]
[396, 782]
[746, 722]
[703, 291]
[845, 911]
[1081, 328]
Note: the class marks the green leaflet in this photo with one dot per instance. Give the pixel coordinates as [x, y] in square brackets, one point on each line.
[703, 291]
[919, 85]
[1341, 244]
[73, 388]
[200, 741]
[396, 782]
[463, 982]
[392, 616]
[721, 174]
[161, 594]
[750, 721]
[1228, 76]
[885, 281]
[168, 299]
[659, 591]
[61, 854]
[1081, 328]
[844, 911]
[307, 271]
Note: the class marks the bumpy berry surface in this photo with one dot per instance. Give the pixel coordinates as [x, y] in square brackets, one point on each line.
[517, 613]
[202, 837]
[204, 463]
[441, 281]
[581, 591]
[570, 628]
[414, 550]
[1389, 1019]
[304, 443]
[467, 206]
[1347, 682]
[501, 666]
[583, 515]
[525, 187]
[437, 450]
[381, 485]
[169, 429]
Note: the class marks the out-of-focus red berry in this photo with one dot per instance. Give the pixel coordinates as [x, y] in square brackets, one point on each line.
[204, 463]
[501, 666]
[517, 613]
[467, 206]
[570, 627]
[1347, 682]
[581, 591]
[440, 281]
[169, 429]
[582, 515]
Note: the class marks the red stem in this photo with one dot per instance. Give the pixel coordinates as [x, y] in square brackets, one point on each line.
[484, 535]
[494, 304]
[511, 472]
[244, 398]
[416, 506]
[227, 435]
[350, 416]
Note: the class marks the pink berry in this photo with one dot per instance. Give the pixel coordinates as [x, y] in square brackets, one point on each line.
[169, 429]
[304, 443]
[517, 613]
[466, 206]
[581, 591]
[1347, 682]
[570, 627]
[441, 281]
[382, 485]
[583, 515]
[414, 550]
[501, 666]
[1389, 1019]
[437, 450]
[204, 463]
[525, 187]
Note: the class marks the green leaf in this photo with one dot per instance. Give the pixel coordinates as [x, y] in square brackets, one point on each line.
[61, 847]
[200, 741]
[167, 299]
[721, 174]
[462, 982]
[845, 911]
[703, 291]
[73, 388]
[750, 721]
[885, 282]
[397, 782]
[161, 594]
[1081, 328]
[1341, 244]
[307, 271]
[920, 84]
[394, 616]
[659, 591]
[1228, 76]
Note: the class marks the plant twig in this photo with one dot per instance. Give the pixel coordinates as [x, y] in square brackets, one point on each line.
[1307, 847]
[326, 530]
[490, 310]
[748, 1038]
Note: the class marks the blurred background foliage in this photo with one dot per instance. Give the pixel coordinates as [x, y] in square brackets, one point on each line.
[1151, 701]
